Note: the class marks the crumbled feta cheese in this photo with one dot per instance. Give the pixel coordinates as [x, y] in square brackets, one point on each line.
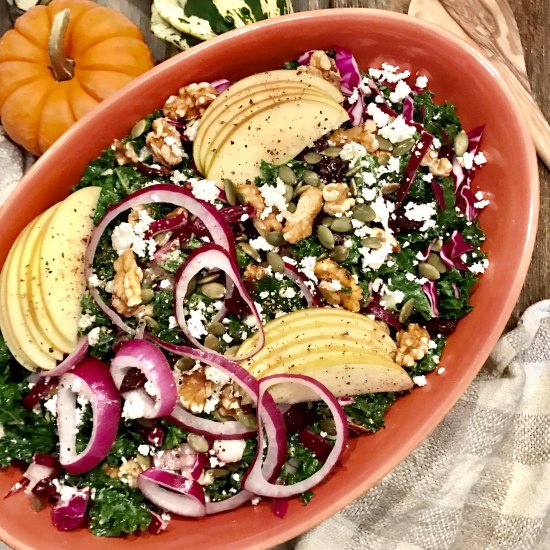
[306, 266]
[204, 190]
[369, 193]
[216, 375]
[86, 321]
[436, 143]
[419, 212]
[150, 388]
[94, 281]
[353, 151]
[479, 267]
[51, 405]
[353, 98]
[402, 90]
[383, 209]
[398, 130]
[122, 237]
[421, 81]
[255, 501]
[274, 196]
[178, 177]
[227, 339]
[191, 129]
[229, 451]
[440, 370]
[195, 323]
[389, 73]
[420, 380]
[380, 117]
[93, 336]
[144, 450]
[165, 284]
[259, 243]
[390, 298]
[134, 407]
[466, 161]
[480, 159]
[172, 323]
[332, 285]
[287, 292]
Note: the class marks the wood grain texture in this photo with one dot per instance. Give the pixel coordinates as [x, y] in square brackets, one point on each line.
[532, 18]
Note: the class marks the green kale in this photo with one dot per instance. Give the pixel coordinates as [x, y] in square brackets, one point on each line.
[243, 258]
[270, 172]
[428, 363]
[163, 309]
[173, 260]
[451, 307]
[105, 257]
[440, 120]
[411, 289]
[369, 410]
[308, 247]
[126, 443]
[174, 436]
[276, 300]
[104, 347]
[354, 255]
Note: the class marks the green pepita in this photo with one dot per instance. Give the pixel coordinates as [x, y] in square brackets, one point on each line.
[208, 278]
[249, 250]
[249, 420]
[215, 291]
[403, 147]
[198, 443]
[352, 171]
[353, 187]
[276, 262]
[339, 254]
[327, 220]
[363, 213]
[312, 158]
[331, 152]
[191, 287]
[147, 294]
[212, 342]
[291, 207]
[150, 322]
[328, 425]
[437, 245]
[138, 129]
[232, 351]
[216, 328]
[275, 238]
[287, 175]
[341, 225]
[311, 178]
[461, 143]
[437, 262]
[301, 189]
[384, 144]
[218, 472]
[372, 242]
[389, 188]
[230, 192]
[289, 192]
[184, 364]
[406, 310]
[325, 236]
[428, 271]
[383, 159]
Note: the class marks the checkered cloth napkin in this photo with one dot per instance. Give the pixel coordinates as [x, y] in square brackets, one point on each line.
[480, 481]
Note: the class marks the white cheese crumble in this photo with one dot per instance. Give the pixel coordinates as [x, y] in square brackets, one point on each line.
[94, 281]
[440, 370]
[134, 407]
[421, 81]
[51, 405]
[229, 451]
[389, 73]
[195, 323]
[191, 129]
[306, 266]
[332, 285]
[274, 196]
[479, 267]
[420, 380]
[204, 190]
[398, 130]
[216, 375]
[93, 336]
[421, 213]
[353, 151]
[165, 284]
[172, 323]
[402, 90]
[380, 117]
[259, 243]
[287, 292]
[466, 161]
[86, 321]
[144, 450]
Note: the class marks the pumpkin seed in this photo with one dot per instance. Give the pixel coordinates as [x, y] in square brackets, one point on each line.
[461, 143]
[437, 262]
[341, 225]
[275, 238]
[291, 207]
[325, 236]
[147, 294]
[138, 129]
[428, 271]
[212, 342]
[384, 144]
[313, 158]
[218, 472]
[311, 178]
[339, 254]
[249, 250]
[276, 262]
[331, 152]
[406, 310]
[287, 175]
[241, 199]
[184, 363]
[372, 242]
[208, 278]
[351, 172]
[198, 443]
[437, 245]
[301, 189]
[216, 328]
[327, 220]
[383, 159]
[323, 256]
[143, 461]
[328, 425]
[389, 188]
[289, 193]
[403, 147]
[353, 187]
[230, 192]
[215, 291]
[150, 322]
[363, 213]
[232, 351]
[248, 420]
[36, 504]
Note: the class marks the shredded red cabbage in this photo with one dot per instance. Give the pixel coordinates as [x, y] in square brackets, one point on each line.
[430, 290]
[452, 250]
[417, 154]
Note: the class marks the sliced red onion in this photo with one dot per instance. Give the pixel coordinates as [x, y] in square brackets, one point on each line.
[167, 224]
[375, 91]
[220, 85]
[150, 361]
[70, 361]
[16, 487]
[158, 524]
[417, 154]
[70, 510]
[161, 253]
[159, 193]
[408, 109]
[350, 76]
[91, 379]
[430, 290]
[305, 57]
[437, 190]
[255, 478]
[312, 296]
[42, 389]
[345, 401]
[206, 257]
[173, 493]
[453, 249]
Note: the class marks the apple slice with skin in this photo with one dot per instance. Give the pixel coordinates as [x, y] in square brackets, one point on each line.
[275, 135]
[236, 109]
[224, 131]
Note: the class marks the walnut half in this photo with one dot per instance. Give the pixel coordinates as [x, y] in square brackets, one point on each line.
[299, 225]
[337, 285]
[337, 198]
[191, 101]
[251, 195]
[165, 143]
[127, 284]
[412, 345]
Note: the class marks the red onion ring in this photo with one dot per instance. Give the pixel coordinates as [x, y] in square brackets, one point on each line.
[209, 256]
[146, 357]
[165, 193]
[98, 387]
[70, 361]
[255, 479]
[172, 492]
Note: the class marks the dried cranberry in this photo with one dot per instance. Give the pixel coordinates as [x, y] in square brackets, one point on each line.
[149, 170]
[298, 417]
[443, 326]
[236, 305]
[156, 436]
[401, 224]
[45, 488]
[332, 169]
[133, 379]
[41, 390]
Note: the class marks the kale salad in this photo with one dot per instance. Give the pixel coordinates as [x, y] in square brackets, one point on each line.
[269, 265]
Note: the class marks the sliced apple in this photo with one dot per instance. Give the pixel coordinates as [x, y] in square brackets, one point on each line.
[275, 135]
[61, 260]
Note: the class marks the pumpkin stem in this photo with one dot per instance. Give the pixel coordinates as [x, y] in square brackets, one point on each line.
[61, 66]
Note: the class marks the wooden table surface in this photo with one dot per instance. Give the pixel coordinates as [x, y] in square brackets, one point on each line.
[532, 17]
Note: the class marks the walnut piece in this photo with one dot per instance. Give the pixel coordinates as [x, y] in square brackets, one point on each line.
[191, 101]
[359, 134]
[127, 284]
[251, 195]
[299, 225]
[412, 345]
[337, 285]
[337, 198]
[323, 66]
[195, 391]
[124, 152]
[385, 237]
[254, 272]
[128, 472]
[165, 143]
[437, 166]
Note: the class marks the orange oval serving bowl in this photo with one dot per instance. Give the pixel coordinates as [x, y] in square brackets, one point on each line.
[457, 73]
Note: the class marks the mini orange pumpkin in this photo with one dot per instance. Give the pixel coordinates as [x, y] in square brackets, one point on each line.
[59, 62]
